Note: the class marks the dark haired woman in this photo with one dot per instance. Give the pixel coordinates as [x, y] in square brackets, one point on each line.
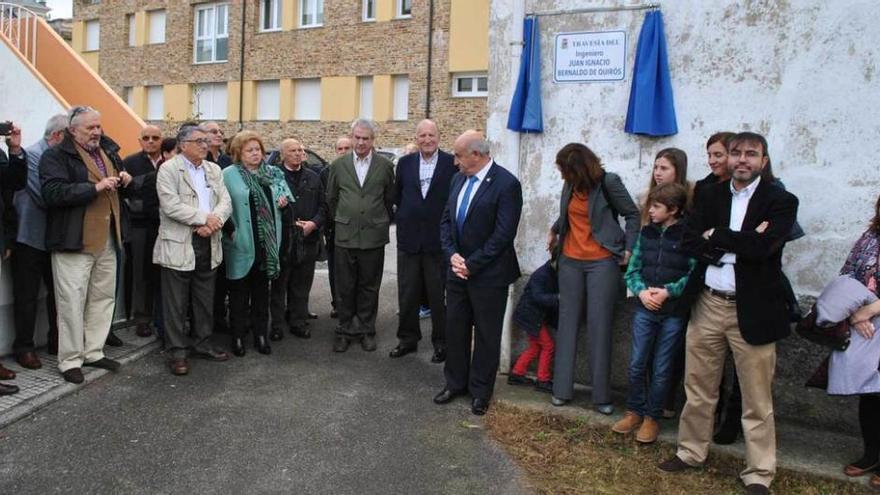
[592, 247]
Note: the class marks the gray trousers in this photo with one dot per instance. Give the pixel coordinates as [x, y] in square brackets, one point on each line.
[179, 290]
[586, 289]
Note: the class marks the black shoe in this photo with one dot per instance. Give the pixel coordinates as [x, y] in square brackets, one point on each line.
[301, 332]
[479, 406]
[341, 343]
[105, 364]
[73, 375]
[514, 379]
[276, 335]
[238, 346]
[8, 389]
[439, 355]
[757, 489]
[368, 343]
[262, 345]
[402, 350]
[675, 465]
[729, 431]
[313, 316]
[445, 396]
[113, 340]
[334, 313]
[546, 387]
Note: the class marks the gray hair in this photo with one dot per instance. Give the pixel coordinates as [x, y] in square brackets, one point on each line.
[480, 145]
[56, 123]
[364, 124]
[186, 131]
[77, 112]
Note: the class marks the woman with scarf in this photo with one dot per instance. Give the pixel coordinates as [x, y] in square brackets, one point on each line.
[259, 193]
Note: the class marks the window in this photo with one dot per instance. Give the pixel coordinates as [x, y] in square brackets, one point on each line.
[93, 36]
[128, 96]
[307, 99]
[156, 20]
[131, 29]
[404, 8]
[369, 10]
[311, 13]
[365, 102]
[400, 108]
[209, 101]
[155, 103]
[268, 100]
[270, 15]
[211, 33]
[470, 84]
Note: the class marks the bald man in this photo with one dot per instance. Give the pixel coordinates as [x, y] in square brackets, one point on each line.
[141, 275]
[422, 189]
[343, 146]
[302, 222]
[477, 232]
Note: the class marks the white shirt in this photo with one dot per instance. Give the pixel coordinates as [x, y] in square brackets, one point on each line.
[362, 166]
[481, 175]
[723, 277]
[200, 181]
[426, 171]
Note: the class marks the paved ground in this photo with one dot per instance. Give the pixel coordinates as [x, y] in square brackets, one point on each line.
[303, 420]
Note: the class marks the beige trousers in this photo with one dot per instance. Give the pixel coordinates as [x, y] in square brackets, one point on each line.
[85, 292]
[713, 327]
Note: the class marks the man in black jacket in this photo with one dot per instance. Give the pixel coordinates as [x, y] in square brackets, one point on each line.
[81, 178]
[422, 189]
[302, 221]
[142, 276]
[737, 233]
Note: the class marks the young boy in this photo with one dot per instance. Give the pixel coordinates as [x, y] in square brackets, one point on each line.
[536, 313]
[658, 272]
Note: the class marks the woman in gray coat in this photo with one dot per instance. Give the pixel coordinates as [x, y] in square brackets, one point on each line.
[592, 249]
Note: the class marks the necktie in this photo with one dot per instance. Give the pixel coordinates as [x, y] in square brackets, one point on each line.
[463, 208]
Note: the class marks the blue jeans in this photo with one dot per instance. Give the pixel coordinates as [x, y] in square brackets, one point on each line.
[654, 342]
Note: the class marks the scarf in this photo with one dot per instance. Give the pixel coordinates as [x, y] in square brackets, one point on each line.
[265, 221]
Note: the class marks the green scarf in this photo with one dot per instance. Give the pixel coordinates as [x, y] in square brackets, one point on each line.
[265, 220]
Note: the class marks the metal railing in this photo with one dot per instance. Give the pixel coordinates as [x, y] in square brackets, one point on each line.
[19, 26]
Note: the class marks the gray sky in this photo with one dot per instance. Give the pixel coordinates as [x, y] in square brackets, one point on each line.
[60, 8]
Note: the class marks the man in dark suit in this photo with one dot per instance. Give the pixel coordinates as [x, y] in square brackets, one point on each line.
[360, 198]
[477, 233]
[141, 275]
[422, 185]
[737, 232]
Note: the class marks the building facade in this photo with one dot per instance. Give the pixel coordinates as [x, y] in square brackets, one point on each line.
[309, 67]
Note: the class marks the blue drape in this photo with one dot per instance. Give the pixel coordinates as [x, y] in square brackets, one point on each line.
[651, 107]
[525, 108]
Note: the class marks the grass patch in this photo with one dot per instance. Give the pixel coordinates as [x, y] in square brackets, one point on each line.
[562, 455]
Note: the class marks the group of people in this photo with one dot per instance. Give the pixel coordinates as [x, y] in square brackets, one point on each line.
[210, 228]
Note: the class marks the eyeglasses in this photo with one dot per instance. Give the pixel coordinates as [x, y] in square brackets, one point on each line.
[199, 141]
[76, 111]
[215, 131]
[151, 138]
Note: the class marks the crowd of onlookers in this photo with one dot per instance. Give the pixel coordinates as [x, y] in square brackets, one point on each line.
[217, 240]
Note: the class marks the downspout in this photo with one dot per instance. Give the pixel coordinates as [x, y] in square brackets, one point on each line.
[430, 58]
[241, 69]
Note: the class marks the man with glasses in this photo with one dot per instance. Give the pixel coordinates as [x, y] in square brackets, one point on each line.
[141, 275]
[81, 178]
[216, 145]
[193, 206]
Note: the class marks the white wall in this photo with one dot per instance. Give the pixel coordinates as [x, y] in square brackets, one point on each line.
[801, 72]
[25, 101]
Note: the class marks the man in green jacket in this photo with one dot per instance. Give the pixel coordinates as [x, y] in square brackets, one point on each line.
[360, 195]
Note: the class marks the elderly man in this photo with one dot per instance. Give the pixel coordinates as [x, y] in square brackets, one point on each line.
[422, 189]
[142, 276]
[13, 173]
[216, 145]
[193, 206]
[31, 264]
[300, 241]
[360, 197]
[81, 178]
[477, 232]
[343, 146]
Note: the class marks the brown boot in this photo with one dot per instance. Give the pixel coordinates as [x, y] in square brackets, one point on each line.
[648, 431]
[629, 422]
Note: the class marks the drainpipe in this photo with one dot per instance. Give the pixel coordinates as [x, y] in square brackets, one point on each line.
[430, 57]
[241, 69]
[512, 141]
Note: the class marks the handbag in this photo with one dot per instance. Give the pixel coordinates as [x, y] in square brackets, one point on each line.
[836, 336]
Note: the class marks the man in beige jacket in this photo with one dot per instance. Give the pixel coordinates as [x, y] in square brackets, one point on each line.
[193, 206]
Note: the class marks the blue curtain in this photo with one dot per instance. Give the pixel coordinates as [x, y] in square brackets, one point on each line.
[651, 107]
[525, 108]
